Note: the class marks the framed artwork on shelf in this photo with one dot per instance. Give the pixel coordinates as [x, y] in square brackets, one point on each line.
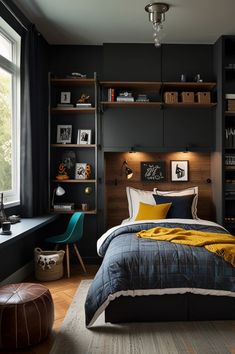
[84, 136]
[179, 170]
[153, 171]
[82, 170]
[65, 97]
[64, 134]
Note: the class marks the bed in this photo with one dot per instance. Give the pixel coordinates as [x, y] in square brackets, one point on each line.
[142, 279]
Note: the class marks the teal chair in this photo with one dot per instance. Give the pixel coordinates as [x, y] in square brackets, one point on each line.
[73, 233]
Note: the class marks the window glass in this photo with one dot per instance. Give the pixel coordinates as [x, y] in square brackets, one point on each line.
[5, 47]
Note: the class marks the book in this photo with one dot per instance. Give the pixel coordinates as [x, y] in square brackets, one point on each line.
[83, 105]
[63, 105]
[64, 206]
[125, 99]
[111, 95]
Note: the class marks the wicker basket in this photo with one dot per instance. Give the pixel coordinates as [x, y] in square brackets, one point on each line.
[171, 97]
[48, 264]
[203, 97]
[187, 97]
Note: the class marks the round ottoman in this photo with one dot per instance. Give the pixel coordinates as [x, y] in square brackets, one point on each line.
[26, 314]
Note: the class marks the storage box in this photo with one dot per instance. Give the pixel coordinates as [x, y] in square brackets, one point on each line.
[187, 97]
[170, 97]
[203, 97]
[231, 105]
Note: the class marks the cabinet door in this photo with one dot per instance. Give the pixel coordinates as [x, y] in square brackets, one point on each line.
[130, 127]
[189, 128]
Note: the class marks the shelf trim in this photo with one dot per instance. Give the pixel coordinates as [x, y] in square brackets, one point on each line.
[91, 212]
[73, 110]
[73, 145]
[74, 180]
[73, 82]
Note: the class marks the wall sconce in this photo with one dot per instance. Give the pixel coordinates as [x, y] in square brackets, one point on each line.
[88, 190]
[128, 170]
[59, 191]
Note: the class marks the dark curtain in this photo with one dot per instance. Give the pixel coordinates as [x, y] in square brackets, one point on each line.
[34, 124]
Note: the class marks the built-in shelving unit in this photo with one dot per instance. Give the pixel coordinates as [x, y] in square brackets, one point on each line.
[79, 119]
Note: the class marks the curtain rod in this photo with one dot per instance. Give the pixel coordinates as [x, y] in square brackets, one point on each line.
[12, 12]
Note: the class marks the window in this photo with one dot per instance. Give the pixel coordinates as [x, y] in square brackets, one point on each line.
[9, 114]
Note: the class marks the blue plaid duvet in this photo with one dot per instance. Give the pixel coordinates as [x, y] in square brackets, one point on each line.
[131, 263]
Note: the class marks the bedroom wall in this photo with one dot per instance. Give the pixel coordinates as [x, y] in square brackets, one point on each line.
[115, 196]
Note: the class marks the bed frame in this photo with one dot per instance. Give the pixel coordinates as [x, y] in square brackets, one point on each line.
[178, 307]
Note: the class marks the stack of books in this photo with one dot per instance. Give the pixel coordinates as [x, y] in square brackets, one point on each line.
[64, 206]
[142, 98]
[83, 105]
[125, 97]
[64, 105]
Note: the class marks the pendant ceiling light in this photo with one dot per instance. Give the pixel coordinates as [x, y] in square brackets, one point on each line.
[156, 11]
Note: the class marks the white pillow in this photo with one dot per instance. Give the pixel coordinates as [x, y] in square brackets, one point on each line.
[134, 197]
[187, 191]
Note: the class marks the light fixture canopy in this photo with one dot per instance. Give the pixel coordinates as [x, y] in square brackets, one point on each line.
[156, 13]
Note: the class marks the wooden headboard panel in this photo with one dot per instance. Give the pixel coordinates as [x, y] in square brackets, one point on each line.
[116, 201]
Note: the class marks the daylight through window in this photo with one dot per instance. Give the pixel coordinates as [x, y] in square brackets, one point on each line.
[9, 113]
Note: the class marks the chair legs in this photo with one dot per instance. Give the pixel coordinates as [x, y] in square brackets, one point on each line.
[67, 260]
[79, 257]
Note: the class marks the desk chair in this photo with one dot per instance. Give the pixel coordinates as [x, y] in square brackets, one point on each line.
[73, 233]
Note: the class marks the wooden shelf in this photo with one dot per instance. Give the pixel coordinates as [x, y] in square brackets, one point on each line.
[73, 145]
[74, 180]
[158, 104]
[93, 212]
[193, 86]
[148, 85]
[134, 104]
[72, 110]
[72, 82]
[230, 113]
[192, 104]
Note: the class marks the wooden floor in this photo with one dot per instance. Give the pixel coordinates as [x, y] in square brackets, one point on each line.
[62, 292]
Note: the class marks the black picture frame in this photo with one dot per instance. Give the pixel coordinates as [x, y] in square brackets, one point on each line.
[153, 171]
[179, 171]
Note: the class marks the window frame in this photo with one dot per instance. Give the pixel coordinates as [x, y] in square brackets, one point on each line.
[12, 197]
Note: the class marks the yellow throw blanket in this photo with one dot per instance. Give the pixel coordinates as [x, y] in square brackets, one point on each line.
[221, 244]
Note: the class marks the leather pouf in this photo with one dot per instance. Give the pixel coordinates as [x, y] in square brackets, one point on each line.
[26, 315]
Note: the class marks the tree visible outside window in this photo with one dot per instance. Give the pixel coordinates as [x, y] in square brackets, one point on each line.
[9, 113]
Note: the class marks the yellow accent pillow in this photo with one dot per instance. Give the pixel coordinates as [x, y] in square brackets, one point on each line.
[152, 212]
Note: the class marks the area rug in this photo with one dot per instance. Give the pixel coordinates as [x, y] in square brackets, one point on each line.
[216, 337]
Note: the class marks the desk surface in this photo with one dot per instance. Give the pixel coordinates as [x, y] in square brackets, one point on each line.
[26, 226]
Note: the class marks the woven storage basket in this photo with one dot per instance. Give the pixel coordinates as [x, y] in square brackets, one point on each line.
[171, 97]
[187, 97]
[48, 264]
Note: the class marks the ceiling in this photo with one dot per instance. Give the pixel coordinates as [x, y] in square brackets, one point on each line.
[125, 21]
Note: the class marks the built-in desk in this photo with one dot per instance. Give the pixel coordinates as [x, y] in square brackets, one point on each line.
[17, 249]
[24, 227]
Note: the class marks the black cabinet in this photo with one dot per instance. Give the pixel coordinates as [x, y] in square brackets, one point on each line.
[132, 128]
[189, 129]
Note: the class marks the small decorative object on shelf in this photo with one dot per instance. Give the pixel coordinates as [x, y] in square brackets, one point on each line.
[82, 171]
[230, 97]
[183, 78]
[6, 228]
[62, 173]
[14, 219]
[2, 211]
[76, 76]
[198, 78]
[88, 190]
[84, 136]
[83, 101]
[85, 207]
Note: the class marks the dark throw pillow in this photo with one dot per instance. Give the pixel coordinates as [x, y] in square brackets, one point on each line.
[181, 207]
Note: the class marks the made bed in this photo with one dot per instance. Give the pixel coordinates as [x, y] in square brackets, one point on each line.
[143, 279]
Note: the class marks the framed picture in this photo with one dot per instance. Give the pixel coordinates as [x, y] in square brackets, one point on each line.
[84, 136]
[179, 170]
[82, 171]
[153, 171]
[64, 134]
[65, 97]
